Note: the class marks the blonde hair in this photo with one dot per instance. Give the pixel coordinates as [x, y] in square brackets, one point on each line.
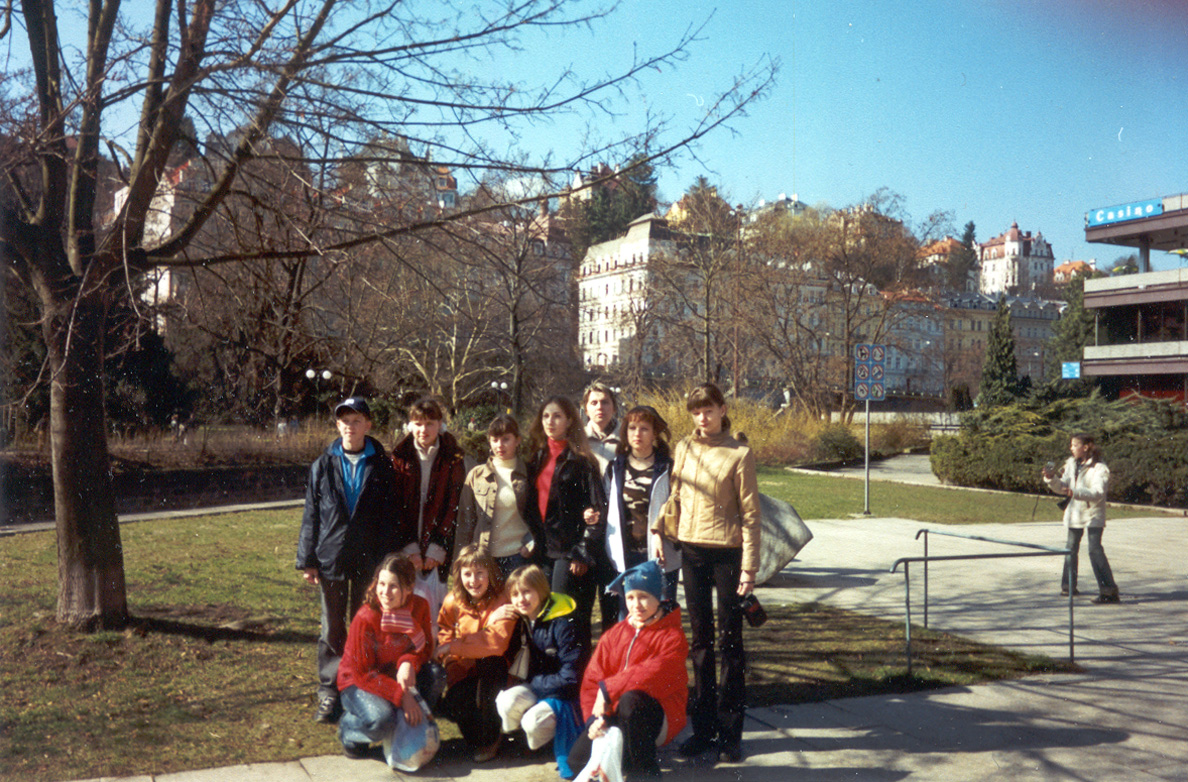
[530, 577]
[475, 555]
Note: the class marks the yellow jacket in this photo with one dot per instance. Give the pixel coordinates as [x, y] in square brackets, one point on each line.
[715, 496]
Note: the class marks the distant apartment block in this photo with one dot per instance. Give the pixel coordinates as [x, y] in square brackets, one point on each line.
[1015, 262]
[613, 281]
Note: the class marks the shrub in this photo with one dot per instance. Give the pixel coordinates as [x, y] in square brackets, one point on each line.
[837, 443]
[1145, 444]
[776, 436]
[900, 435]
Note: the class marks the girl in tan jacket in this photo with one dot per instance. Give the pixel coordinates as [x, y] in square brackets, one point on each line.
[713, 514]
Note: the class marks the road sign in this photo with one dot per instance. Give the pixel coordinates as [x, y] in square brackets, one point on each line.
[1070, 370]
[870, 371]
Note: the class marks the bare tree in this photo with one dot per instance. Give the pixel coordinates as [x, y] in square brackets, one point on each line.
[329, 73]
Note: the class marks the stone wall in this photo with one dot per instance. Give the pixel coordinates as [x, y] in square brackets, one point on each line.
[28, 494]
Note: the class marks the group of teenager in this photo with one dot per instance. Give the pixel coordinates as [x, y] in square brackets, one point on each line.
[604, 512]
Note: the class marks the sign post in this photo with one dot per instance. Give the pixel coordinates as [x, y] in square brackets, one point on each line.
[870, 373]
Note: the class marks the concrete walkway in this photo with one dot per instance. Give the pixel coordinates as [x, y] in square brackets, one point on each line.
[1124, 718]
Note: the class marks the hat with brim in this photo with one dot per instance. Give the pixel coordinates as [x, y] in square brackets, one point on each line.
[356, 403]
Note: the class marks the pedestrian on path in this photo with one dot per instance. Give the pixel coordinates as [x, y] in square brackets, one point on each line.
[1085, 481]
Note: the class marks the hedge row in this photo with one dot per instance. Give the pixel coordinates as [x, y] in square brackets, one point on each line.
[1145, 469]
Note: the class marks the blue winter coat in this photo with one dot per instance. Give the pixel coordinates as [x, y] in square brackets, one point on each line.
[557, 655]
[339, 544]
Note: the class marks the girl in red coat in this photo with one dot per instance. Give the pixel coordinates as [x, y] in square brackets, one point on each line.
[636, 681]
[388, 642]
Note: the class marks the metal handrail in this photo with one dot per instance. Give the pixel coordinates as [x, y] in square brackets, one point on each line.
[1042, 551]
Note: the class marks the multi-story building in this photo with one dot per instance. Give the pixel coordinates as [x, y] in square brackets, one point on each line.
[1015, 262]
[614, 308]
[1141, 334]
[915, 339]
[1067, 271]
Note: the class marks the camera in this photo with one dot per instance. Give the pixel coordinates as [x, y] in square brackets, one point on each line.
[752, 611]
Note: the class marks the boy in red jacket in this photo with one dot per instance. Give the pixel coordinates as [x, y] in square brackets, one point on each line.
[636, 681]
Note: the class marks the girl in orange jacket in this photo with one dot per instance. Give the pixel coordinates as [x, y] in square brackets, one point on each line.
[472, 645]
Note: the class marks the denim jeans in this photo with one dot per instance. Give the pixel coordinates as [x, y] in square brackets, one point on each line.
[1097, 558]
[367, 718]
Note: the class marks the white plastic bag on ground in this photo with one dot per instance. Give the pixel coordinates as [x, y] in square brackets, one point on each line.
[409, 747]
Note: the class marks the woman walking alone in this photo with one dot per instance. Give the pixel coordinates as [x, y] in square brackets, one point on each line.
[1085, 480]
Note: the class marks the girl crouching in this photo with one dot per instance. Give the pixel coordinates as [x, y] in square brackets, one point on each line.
[387, 644]
[545, 704]
[472, 643]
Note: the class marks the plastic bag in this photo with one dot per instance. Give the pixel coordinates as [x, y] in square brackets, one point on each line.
[606, 759]
[430, 587]
[409, 747]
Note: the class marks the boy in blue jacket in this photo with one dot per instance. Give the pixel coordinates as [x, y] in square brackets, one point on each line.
[348, 502]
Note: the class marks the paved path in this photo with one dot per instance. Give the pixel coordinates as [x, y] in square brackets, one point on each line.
[1125, 718]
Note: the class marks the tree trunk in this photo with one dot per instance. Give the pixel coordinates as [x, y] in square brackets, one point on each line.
[91, 589]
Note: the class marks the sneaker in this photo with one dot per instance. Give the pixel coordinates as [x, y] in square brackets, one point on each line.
[487, 753]
[356, 751]
[1064, 592]
[327, 710]
[1108, 598]
[696, 745]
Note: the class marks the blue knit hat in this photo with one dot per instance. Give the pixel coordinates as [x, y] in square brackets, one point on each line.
[646, 576]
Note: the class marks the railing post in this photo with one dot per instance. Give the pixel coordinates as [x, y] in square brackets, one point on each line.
[1068, 569]
[926, 578]
[907, 611]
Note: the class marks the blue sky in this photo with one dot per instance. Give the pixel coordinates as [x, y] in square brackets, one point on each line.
[997, 110]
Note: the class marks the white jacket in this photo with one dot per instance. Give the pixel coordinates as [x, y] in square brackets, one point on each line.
[1089, 484]
[615, 522]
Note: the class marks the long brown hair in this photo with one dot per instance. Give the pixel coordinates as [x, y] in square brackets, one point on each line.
[575, 435]
[475, 555]
[400, 566]
[1091, 441]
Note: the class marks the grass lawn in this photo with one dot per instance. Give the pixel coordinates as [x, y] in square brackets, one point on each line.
[217, 668]
[825, 497]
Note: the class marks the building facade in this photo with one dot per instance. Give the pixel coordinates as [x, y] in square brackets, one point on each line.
[1141, 334]
[1015, 262]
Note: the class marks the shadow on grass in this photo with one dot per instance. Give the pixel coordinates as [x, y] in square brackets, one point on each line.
[214, 622]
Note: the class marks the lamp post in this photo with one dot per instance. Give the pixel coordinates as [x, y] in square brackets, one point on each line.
[500, 388]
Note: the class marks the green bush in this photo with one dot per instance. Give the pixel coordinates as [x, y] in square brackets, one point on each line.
[1145, 444]
[837, 443]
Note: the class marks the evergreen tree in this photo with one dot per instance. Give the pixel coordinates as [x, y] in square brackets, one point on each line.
[1074, 330]
[963, 260]
[611, 207]
[1000, 372]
